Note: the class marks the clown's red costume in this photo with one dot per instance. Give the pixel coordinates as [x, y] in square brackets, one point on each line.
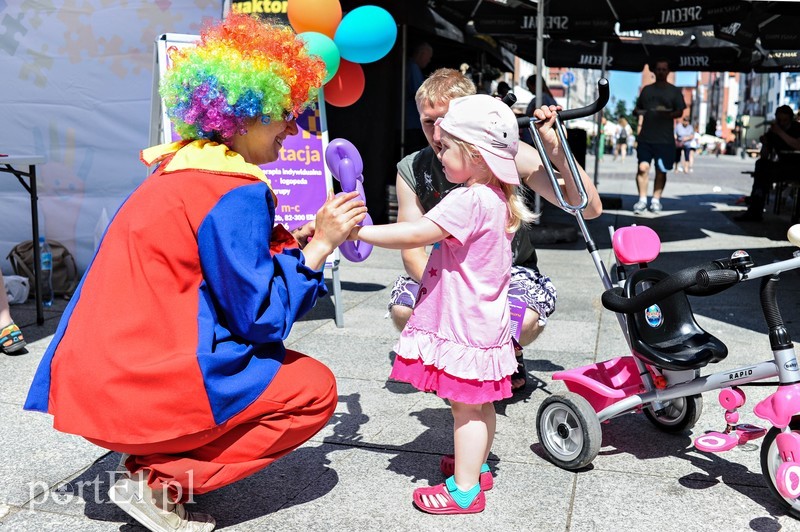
[172, 347]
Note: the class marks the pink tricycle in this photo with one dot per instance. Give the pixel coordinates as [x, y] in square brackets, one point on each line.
[662, 374]
[668, 348]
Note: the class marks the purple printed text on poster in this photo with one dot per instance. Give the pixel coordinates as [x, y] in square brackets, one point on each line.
[298, 176]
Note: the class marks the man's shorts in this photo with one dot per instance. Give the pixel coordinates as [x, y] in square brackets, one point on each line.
[663, 154]
[529, 286]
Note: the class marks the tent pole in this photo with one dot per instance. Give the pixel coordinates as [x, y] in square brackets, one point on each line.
[404, 85]
[598, 147]
[539, 51]
[537, 200]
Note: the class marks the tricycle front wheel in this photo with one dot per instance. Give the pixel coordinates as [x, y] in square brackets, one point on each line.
[770, 462]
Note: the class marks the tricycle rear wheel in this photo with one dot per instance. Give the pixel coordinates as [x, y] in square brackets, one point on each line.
[569, 430]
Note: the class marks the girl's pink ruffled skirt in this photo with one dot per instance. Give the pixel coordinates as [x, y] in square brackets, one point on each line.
[431, 379]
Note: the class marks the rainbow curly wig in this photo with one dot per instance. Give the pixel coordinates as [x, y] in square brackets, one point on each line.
[241, 68]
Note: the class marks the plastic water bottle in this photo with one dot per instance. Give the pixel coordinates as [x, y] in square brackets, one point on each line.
[47, 272]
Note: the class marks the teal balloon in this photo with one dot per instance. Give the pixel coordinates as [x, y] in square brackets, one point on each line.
[323, 46]
[365, 34]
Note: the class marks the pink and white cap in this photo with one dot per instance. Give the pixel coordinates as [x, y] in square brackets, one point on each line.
[489, 125]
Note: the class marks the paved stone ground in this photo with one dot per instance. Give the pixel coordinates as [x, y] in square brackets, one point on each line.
[385, 439]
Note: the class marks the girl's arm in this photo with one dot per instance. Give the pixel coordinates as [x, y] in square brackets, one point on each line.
[409, 209]
[401, 235]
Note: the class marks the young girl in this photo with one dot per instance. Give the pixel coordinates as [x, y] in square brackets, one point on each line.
[458, 339]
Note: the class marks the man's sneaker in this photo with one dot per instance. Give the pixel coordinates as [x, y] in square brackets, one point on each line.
[134, 496]
[639, 207]
[655, 206]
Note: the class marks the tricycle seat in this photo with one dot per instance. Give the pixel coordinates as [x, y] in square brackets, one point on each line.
[666, 334]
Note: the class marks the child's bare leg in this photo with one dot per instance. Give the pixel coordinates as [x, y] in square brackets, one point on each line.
[490, 418]
[471, 438]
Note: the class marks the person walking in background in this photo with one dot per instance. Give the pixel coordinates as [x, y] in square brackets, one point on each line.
[610, 132]
[11, 339]
[657, 106]
[631, 142]
[420, 58]
[206, 394]
[624, 132]
[421, 185]
[457, 342]
[684, 136]
[776, 161]
[694, 145]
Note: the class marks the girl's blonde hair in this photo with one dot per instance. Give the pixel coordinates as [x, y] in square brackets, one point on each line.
[518, 212]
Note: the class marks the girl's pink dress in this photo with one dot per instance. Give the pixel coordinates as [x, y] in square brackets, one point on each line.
[458, 340]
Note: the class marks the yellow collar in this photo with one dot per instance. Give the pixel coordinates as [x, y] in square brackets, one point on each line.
[201, 154]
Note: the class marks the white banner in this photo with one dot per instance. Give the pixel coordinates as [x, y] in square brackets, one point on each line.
[75, 87]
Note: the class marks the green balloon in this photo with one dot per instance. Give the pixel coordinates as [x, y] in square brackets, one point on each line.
[323, 47]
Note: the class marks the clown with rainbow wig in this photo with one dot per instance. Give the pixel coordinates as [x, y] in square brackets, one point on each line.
[176, 331]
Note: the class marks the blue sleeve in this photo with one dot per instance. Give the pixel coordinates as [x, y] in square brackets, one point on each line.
[259, 294]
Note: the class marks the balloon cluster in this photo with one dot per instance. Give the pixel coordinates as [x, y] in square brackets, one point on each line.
[364, 35]
[346, 165]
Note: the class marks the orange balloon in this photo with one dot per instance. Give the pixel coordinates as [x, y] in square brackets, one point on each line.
[347, 86]
[322, 16]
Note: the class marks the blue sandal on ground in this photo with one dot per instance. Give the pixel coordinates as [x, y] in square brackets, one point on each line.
[11, 339]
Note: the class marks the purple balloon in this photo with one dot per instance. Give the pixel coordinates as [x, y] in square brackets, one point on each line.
[346, 175]
[355, 250]
[346, 166]
[339, 151]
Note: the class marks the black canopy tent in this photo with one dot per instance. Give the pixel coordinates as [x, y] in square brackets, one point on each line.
[698, 35]
[711, 35]
[689, 49]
